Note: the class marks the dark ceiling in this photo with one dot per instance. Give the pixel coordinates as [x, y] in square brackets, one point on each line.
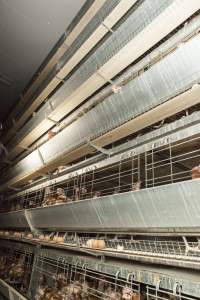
[28, 31]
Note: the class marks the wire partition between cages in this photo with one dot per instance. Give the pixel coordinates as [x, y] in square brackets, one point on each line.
[80, 280]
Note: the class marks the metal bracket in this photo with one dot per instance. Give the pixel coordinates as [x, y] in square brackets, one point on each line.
[108, 28]
[50, 104]
[52, 120]
[106, 79]
[115, 88]
[41, 157]
[60, 79]
[100, 149]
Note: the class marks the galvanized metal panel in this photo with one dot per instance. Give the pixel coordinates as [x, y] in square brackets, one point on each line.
[13, 220]
[182, 34]
[138, 96]
[165, 208]
[136, 22]
[144, 273]
[140, 18]
[152, 88]
[170, 133]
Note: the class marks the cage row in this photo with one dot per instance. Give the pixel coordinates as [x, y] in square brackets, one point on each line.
[154, 245]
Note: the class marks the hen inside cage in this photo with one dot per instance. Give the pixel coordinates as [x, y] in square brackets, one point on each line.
[15, 267]
[167, 164]
[61, 280]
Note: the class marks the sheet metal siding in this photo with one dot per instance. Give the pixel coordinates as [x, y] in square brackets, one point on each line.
[173, 206]
[136, 22]
[170, 133]
[142, 273]
[13, 220]
[182, 34]
[85, 34]
[175, 73]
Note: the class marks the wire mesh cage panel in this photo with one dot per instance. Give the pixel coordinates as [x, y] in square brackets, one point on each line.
[183, 247]
[151, 166]
[141, 245]
[159, 166]
[28, 200]
[58, 279]
[160, 294]
[16, 267]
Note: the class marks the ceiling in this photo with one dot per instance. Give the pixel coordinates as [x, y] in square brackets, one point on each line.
[28, 31]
